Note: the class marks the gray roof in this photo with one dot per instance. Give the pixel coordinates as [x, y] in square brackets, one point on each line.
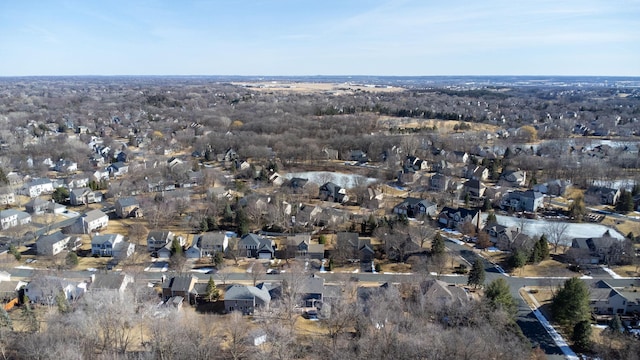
[52, 238]
[104, 238]
[107, 281]
[211, 239]
[179, 283]
[242, 292]
[261, 243]
[312, 285]
[89, 216]
[127, 201]
[160, 235]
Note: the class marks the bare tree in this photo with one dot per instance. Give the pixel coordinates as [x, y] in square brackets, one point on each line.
[556, 232]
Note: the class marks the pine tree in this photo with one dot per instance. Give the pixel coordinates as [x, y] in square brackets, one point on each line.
[437, 245]
[476, 275]
[570, 304]
[582, 335]
[615, 325]
[213, 294]
[544, 247]
[499, 296]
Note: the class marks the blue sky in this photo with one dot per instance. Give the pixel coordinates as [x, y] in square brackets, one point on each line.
[321, 37]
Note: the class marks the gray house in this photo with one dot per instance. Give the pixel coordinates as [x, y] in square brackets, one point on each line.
[528, 200]
[414, 207]
[332, 192]
[256, 246]
[246, 299]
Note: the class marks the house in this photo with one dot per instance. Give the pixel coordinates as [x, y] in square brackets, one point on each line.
[157, 239]
[511, 238]
[127, 207]
[476, 172]
[211, 243]
[358, 156]
[529, 200]
[246, 299]
[595, 250]
[91, 221]
[51, 245]
[553, 187]
[112, 282]
[414, 163]
[36, 188]
[604, 299]
[475, 188]
[100, 175]
[83, 196]
[11, 217]
[67, 166]
[303, 248]
[604, 195]
[454, 218]
[332, 192]
[407, 177]
[252, 245]
[296, 184]
[353, 248]
[514, 178]
[37, 206]
[179, 285]
[414, 207]
[311, 291]
[105, 244]
[118, 169]
[460, 157]
[440, 182]
[7, 196]
[442, 293]
[45, 290]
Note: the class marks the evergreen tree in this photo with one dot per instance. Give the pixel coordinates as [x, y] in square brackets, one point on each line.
[582, 335]
[213, 294]
[72, 259]
[625, 202]
[518, 259]
[570, 304]
[204, 225]
[242, 222]
[615, 325]
[176, 248]
[476, 275]
[499, 296]
[437, 245]
[486, 205]
[491, 218]
[28, 316]
[60, 195]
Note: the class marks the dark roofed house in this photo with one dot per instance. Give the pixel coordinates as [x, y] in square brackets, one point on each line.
[595, 250]
[256, 246]
[211, 243]
[354, 248]
[246, 299]
[128, 207]
[157, 239]
[414, 207]
[179, 285]
[115, 282]
[454, 218]
[605, 196]
[332, 192]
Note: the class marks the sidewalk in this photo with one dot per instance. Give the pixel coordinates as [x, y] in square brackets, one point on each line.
[557, 338]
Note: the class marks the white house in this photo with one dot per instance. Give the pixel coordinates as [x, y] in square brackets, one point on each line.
[10, 218]
[91, 221]
[111, 245]
[53, 244]
[36, 188]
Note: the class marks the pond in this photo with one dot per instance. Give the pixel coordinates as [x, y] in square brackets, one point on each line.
[536, 228]
[346, 181]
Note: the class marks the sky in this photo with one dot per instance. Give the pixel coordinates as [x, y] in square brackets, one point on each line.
[320, 37]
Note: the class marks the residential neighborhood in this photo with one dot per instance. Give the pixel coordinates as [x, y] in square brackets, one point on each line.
[184, 218]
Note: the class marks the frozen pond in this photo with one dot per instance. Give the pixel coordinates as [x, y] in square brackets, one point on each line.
[346, 181]
[575, 230]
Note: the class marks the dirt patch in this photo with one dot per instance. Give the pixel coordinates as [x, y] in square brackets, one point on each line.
[545, 268]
